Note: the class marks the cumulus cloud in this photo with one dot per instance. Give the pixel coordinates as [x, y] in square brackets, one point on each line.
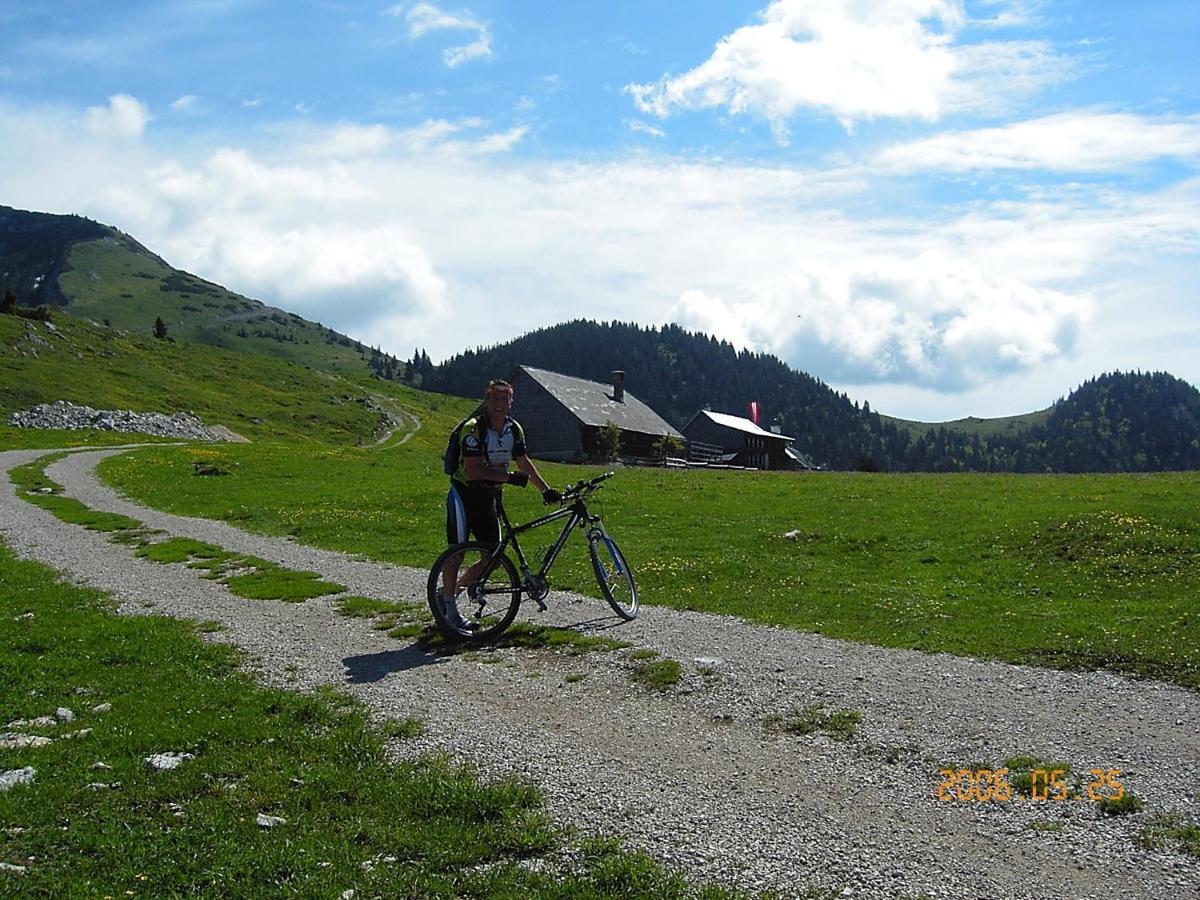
[377, 274]
[929, 321]
[854, 60]
[1068, 142]
[385, 235]
[271, 232]
[124, 117]
[425, 18]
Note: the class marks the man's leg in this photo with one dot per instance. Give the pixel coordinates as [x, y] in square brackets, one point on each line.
[456, 533]
[484, 522]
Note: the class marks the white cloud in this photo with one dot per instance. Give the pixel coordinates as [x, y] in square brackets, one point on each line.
[854, 61]
[644, 128]
[1069, 142]
[124, 117]
[348, 141]
[419, 238]
[930, 320]
[186, 102]
[425, 18]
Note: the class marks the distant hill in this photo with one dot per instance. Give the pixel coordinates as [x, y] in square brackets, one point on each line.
[95, 272]
[1116, 422]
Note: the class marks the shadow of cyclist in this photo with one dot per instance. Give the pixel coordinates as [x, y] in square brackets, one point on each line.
[372, 667]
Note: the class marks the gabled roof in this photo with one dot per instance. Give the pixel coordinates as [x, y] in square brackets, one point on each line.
[739, 424]
[593, 404]
[799, 458]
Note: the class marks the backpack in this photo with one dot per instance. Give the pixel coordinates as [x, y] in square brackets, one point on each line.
[454, 445]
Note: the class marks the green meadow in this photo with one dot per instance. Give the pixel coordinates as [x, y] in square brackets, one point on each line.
[280, 794]
[1078, 571]
[1081, 572]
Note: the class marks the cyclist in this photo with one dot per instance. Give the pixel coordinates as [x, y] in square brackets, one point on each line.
[489, 442]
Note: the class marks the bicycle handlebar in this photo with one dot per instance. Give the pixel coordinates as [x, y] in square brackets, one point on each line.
[582, 488]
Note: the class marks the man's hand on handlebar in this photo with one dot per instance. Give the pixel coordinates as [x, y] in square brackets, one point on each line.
[550, 495]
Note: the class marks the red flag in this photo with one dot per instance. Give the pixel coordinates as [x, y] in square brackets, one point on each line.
[754, 411]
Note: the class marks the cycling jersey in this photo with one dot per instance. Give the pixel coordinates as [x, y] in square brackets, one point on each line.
[471, 505]
[496, 450]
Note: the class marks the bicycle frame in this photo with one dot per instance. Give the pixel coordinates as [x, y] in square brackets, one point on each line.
[576, 514]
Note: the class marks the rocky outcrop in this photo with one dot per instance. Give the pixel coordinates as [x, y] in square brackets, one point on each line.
[70, 417]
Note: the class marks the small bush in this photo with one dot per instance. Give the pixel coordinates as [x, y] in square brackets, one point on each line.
[657, 676]
[1125, 805]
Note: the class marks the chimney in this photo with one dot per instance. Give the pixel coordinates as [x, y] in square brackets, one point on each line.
[776, 429]
[618, 383]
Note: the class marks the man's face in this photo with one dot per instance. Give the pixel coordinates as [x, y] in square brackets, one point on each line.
[499, 402]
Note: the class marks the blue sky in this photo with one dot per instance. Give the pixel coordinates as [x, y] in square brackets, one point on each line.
[943, 208]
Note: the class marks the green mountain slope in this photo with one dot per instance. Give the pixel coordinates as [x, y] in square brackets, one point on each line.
[95, 272]
[259, 397]
[985, 428]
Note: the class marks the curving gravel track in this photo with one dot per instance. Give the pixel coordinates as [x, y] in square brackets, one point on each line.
[693, 776]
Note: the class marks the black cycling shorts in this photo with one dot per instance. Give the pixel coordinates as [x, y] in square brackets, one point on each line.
[471, 509]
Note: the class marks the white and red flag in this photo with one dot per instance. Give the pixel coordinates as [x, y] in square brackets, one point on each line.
[754, 411]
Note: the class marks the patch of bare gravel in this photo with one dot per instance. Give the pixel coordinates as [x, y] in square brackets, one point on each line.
[692, 775]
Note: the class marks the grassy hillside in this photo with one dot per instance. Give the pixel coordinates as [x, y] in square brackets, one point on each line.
[95, 272]
[117, 281]
[1002, 426]
[259, 397]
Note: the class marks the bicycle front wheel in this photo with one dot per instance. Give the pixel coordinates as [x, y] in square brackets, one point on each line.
[613, 575]
[473, 596]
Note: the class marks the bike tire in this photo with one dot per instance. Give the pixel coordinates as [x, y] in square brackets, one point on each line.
[487, 606]
[613, 575]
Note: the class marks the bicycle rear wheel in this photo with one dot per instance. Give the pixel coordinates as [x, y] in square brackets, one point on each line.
[613, 575]
[484, 593]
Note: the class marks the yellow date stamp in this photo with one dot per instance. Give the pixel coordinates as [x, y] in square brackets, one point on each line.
[1039, 785]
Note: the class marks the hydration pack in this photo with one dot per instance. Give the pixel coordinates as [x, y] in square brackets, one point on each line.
[454, 445]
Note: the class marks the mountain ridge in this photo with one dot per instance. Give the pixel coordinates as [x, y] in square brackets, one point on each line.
[1114, 422]
[94, 271]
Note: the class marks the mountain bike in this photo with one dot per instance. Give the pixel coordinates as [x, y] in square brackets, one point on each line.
[488, 587]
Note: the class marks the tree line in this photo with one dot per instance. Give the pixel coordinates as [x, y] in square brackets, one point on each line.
[1133, 422]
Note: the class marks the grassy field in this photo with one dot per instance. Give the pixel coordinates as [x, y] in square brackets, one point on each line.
[1066, 571]
[98, 821]
[1072, 571]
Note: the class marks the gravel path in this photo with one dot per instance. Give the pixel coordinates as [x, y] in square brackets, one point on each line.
[693, 776]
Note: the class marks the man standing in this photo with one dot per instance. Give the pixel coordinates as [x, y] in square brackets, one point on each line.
[489, 443]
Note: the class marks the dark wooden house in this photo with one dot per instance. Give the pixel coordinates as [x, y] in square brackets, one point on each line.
[743, 443]
[561, 415]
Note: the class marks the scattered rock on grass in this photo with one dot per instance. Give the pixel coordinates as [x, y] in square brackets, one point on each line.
[11, 741]
[164, 761]
[13, 777]
[270, 821]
